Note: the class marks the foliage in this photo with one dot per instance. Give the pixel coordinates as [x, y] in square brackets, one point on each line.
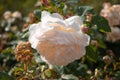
[100, 62]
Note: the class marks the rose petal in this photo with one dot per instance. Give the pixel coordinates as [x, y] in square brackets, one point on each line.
[60, 47]
[74, 22]
[84, 38]
[47, 17]
[33, 32]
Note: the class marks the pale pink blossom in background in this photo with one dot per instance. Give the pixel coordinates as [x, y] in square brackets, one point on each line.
[7, 15]
[112, 14]
[17, 14]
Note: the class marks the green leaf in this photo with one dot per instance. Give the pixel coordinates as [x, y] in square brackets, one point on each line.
[37, 14]
[102, 44]
[101, 23]
[25, 35]
[83, 10]
[91, 53]
[5, 76]
[48, 73]
[43, 76]
[17, 71]
[72, 1]
[83, 18]
[69, 77]
[117, 75]
[7, 51]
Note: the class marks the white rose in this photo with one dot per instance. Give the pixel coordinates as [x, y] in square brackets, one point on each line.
[58, 41]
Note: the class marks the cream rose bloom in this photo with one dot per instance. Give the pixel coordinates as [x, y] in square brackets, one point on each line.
[112, 14]
[58, 41]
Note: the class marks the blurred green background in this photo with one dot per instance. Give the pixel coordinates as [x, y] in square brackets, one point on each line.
[23, 6]
[26, 6]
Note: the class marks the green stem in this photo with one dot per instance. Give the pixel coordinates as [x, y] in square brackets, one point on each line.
[25, 66]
